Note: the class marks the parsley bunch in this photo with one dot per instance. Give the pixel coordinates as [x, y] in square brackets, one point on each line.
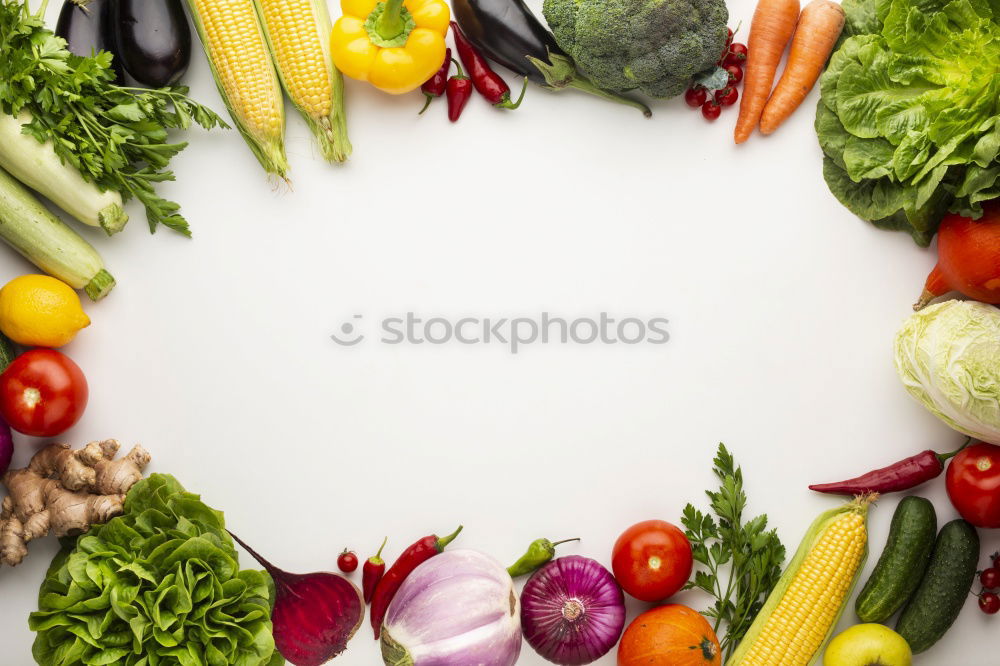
[752, 553]
[115, 136]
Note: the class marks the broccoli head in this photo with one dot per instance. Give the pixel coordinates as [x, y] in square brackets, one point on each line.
[655, 46]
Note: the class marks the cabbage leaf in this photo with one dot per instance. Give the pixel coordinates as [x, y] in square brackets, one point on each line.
[159, 585]
[948, 356]
[909, 112]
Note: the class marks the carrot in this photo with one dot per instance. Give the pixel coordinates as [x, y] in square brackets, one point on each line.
[771, 28]
[815, 36]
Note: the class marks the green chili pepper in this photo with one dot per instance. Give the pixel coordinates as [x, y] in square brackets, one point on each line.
[539, 552]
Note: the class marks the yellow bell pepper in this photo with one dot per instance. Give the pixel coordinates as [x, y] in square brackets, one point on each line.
[395, 45]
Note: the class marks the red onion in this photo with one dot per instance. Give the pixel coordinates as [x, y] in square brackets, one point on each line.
[314, 615]
[6, 446]
[572, 611]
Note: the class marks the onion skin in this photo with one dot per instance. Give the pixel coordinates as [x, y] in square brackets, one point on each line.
[572, 611]
[456, 609]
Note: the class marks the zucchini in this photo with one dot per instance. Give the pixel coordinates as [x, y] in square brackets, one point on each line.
[944, 589]
[44, 240]
[903, 562]
[39, 167]
[7, 352]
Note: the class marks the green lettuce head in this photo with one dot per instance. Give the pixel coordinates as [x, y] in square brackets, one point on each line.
[159, 585]
[948, 356]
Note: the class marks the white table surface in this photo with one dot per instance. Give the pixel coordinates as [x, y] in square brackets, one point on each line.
[215, 353]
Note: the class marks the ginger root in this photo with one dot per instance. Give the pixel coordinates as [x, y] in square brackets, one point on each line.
[64, 491]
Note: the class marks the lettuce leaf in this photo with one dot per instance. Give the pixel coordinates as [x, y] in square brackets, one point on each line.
[909, 119]
[158, 585]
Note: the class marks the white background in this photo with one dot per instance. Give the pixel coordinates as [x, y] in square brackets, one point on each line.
[215, 353]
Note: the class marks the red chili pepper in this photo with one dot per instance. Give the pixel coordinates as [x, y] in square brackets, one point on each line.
[903, 475]
[411, 558]
[372, 572]
[459, 91]
[488, 83]
[436, 85]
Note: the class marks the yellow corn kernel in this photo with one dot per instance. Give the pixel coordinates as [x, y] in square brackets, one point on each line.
[298, 32]
[797, 627]
[234, 41]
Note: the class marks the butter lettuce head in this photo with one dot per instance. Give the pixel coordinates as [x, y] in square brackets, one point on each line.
[158, 585]
[909, 112]
[948, 356]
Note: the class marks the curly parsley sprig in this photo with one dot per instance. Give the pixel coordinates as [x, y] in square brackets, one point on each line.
[117, 137]
[750, 554]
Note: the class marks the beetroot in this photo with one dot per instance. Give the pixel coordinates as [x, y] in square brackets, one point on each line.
[314, 615]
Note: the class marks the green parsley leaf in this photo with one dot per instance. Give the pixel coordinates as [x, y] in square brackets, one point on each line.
[742, 560]
[117, 137]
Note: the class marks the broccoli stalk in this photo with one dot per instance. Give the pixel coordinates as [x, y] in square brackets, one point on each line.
[560, 72]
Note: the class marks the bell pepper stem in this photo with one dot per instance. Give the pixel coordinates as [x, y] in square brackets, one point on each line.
[391, 24]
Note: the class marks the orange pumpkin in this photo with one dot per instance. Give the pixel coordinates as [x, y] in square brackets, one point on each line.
[671, 635]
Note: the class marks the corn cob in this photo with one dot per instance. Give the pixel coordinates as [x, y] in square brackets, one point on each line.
[237, 51]
[298, 32]
[802, 610]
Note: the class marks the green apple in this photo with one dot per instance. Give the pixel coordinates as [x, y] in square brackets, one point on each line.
[868, 645]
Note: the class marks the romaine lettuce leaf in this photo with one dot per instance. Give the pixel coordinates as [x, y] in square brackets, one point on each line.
[909, 113]
[158, 585]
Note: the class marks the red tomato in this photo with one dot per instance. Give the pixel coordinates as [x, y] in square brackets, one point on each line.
[42, 393]
[973, 482]
[652, 560]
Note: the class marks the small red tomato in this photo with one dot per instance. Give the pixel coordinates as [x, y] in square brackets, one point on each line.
[711, 110]
[652, 560]
[347, 562]
[727, 96]
[695, 97]
[989, 603]
[973, 482]
[42, 393]
[737, 54]
[990, 578]
[735, 74]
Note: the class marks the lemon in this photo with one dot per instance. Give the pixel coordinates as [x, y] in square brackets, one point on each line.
[40, 311]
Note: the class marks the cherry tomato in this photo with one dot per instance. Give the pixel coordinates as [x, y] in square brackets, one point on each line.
[42, 393]
[973, 482]
[652, 560]
[727, 96]
[989, 603]
[347, 562]
[711, 110]
[990, 578]
[695, 97]
[735, 74]
[737, 54]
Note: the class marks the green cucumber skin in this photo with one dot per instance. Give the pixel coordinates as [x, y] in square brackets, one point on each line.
[903, 562]
[945, 588]
[42, 238]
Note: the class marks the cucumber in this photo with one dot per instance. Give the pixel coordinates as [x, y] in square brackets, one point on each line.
[44, 240]
[903, 562]
[944, 589]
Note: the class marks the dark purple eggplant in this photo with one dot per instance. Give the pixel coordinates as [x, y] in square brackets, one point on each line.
[154, 40]
[88, 28]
